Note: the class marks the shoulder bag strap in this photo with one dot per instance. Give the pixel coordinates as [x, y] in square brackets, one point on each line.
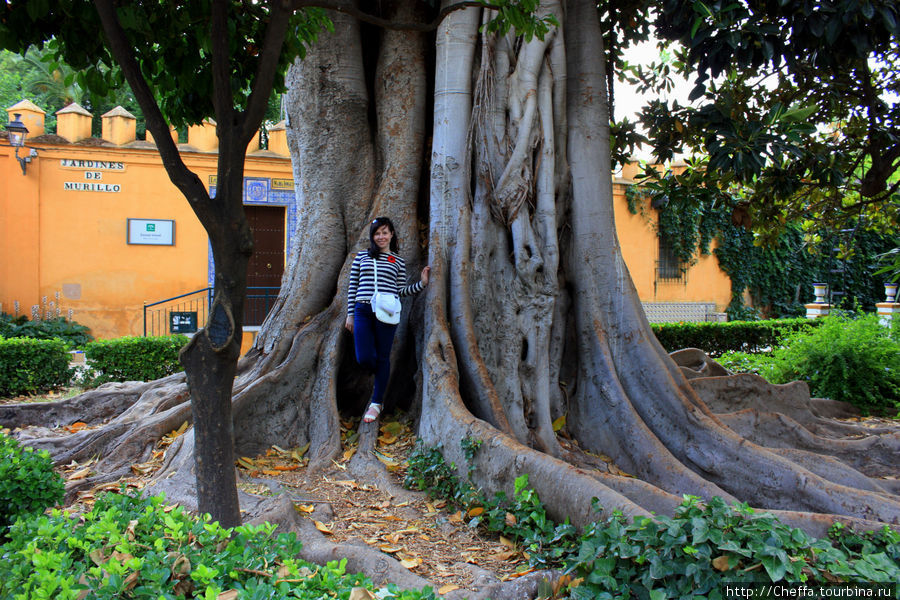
[375, 266]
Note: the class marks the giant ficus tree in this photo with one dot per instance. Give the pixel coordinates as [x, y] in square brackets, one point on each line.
[531, 314]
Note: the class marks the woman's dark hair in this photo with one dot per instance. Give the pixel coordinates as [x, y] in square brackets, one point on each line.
[376, 224]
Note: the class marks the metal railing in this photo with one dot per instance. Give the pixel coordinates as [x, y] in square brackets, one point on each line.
[158, 321]
[258, 304]
[188, 312]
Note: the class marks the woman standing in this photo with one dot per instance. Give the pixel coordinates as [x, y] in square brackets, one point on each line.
[372, 338]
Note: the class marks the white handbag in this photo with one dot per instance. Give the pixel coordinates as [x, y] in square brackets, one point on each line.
[385, 306]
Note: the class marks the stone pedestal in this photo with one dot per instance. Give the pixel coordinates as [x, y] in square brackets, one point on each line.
[887, 312]
[816, 310]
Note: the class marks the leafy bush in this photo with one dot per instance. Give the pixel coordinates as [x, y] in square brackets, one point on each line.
[134, 358]
[847, 358]
[28, 483]
[73, 334]
[137, 548]
[28, 366]
[704, 546]
[760, 363]
[739, 336]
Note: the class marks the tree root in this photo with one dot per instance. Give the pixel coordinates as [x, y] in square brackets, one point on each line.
[874, 455]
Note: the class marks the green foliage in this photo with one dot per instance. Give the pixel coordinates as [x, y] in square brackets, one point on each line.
[28, 483]
[524, 520]
[428, 471]
[760, 363]
[161, 36]
[818, 142]
[692, 554]
[133, 547]
[717, 338]
[849, 358]
[28, 365]
[777, 269]
[704, 546]
[134, 358]
[73, 334]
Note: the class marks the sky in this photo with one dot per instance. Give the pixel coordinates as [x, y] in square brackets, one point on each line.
[629, 102]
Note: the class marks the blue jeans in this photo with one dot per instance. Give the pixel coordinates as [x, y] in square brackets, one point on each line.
[373, 340]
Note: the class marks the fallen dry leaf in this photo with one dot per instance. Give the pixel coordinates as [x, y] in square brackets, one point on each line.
[76, 427]
[476, 511]
[229, 595]
[304, 508]
[559, 423]
[80, 474]
[323, 528]
[359, 593]
[721, 563]
[455, 517]
[447, 589]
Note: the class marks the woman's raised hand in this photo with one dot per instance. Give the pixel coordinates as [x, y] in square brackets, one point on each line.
[426, 272]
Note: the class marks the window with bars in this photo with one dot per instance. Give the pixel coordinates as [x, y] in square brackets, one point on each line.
[668, 266]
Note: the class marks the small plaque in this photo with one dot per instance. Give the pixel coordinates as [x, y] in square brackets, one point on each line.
[182, 322]
[151, 232]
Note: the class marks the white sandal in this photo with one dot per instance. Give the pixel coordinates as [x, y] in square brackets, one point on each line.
[372, 413]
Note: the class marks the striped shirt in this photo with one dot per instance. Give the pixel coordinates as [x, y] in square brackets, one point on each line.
[391, 273]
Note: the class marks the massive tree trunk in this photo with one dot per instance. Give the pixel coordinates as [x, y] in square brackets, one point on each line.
[531, 314]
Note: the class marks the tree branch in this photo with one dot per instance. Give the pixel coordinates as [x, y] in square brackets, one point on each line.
[349, 9]
[223, 103]
[276, 30]
[182, 177]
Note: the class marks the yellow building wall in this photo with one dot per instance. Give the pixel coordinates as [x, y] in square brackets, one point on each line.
[703, 282]
[59, 233]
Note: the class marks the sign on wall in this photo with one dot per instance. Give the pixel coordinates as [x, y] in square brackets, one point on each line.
[183, 322]
[93, 175]
[151, 232]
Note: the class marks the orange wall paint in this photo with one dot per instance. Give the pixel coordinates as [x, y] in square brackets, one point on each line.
[704, 281]
[75, 241]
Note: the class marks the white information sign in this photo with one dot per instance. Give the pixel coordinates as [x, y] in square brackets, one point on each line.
[152, 232]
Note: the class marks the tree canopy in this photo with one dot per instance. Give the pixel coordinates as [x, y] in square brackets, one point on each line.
[795, 110]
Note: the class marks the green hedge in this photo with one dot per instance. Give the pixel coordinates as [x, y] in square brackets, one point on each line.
[28, 365]
[134, 358]
[28, 483]
[738, 336]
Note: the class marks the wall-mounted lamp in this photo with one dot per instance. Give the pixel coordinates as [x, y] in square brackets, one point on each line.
[17, 134]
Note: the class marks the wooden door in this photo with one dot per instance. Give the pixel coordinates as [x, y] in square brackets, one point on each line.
[267, 263]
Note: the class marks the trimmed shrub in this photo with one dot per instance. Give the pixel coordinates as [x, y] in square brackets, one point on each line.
[28, 483]
[852, 359]
[718, 338]
[134, 358]
[28, 366]
[138, 548]
[73, 334]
